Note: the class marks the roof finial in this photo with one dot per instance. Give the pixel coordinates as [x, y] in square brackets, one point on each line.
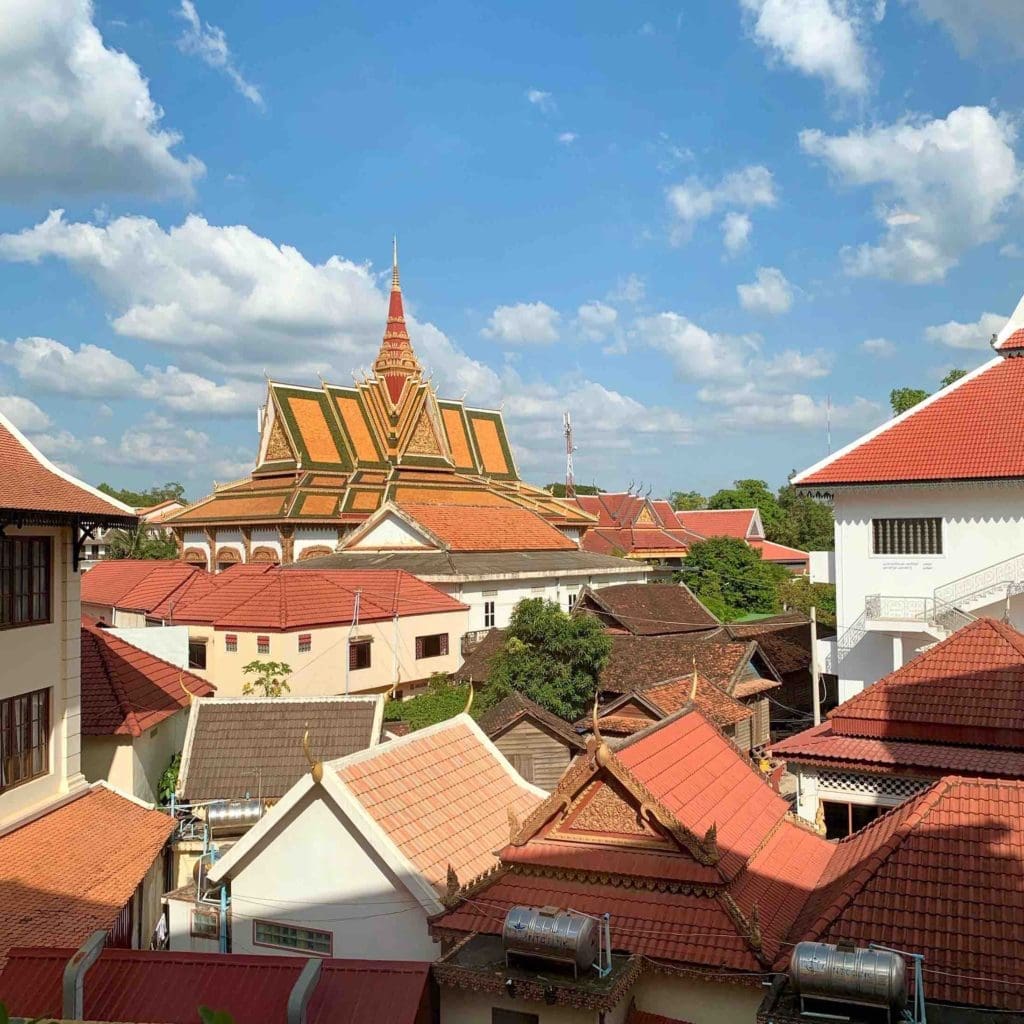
[394, 263]
[469, 699]
[316, 768]
[693, 685]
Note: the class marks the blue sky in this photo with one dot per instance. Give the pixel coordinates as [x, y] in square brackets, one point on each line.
[690, 225]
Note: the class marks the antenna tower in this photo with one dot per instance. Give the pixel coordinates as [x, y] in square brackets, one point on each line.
[570, 481]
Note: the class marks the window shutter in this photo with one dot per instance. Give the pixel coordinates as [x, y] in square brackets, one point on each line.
[444, 643]
[419, 647]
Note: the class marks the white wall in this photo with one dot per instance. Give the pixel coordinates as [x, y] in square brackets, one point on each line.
[307, 537]
[391, 532]
[315, 870]
[169, 643]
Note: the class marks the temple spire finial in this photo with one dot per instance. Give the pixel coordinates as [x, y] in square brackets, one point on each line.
[394, 264]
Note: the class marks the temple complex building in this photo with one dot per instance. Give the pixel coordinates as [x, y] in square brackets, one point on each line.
[330, 457]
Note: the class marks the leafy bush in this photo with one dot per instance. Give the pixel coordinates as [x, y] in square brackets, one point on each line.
[169, 780]
[441, 701]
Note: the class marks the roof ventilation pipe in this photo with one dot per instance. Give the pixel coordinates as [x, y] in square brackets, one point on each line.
[72, 984]
[305, 985]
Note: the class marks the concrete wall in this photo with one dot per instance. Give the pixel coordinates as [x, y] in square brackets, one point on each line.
[48, 655]
[321, 671]
[981, 525]
[170, 643]
[315, 870]
[460, 1007]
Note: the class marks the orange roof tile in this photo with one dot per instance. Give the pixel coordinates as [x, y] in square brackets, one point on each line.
[352, 416]
[719, 522]
[442, 795]
[312, 424]
[125, 690]
[971, 430]
[30, 482]
[772, 552]
[457, 439]
[71, 871]
[318, 505]
[489, 445]
[673, 694]
[135, 584]
[225, 506]
[450, 496]
[479, 528]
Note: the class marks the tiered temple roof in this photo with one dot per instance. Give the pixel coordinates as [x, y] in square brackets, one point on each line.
[334, 455]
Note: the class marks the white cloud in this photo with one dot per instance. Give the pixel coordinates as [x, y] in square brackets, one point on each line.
[694, 200]
[816, 37]
[543, 100]
[736, 229]
[770, 293]
[957, 335]
[596, 320]
[942, 187]
[880, 347]
[976, 24]
[790, 363]
[1012, 251]
[567, 138]
[749, 405]
[631, 289]
[694, 351]
[525, 323]
[24, 413]
[210, 45]
[76, 118]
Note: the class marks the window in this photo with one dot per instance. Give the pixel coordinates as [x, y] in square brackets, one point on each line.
[24, 738]
[570, 600]
[359, 655]
[434, 646]
[488, 614]
[205, 924]
[522, 763]
[286, 936]
[907, 536]
[231, 642]
[197, 654]
[94, 551]
[842, 820]
[305, 643]
[24, 581]
[263, 645]
[513, 1017]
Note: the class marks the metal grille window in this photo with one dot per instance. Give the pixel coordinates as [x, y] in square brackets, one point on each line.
[434, 646]
[907, 536]
[305, 643]
[24, 581]
[24, 738]
[263, 645]
[359, 654]
[570, 600]
[488, 614]
[286, 936]
[231, 642]
[205, 924]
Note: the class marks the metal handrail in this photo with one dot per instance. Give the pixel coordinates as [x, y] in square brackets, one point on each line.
[1009, 571]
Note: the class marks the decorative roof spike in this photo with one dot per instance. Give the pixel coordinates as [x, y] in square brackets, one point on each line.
[316, 768]
[755, 927]
[514, 825]
[469, 699]
[394, 263]
[396, 359]
[711, 840]
[693, 685]
[451, 893]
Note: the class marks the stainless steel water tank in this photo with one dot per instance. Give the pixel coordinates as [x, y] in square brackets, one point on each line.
[552, 934]
[233, 815]
[868, 977]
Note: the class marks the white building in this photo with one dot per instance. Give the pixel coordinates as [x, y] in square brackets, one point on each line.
[929, 514]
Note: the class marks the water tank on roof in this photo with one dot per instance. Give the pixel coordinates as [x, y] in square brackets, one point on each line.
[547, 933]
[822, 972]
[230, 816]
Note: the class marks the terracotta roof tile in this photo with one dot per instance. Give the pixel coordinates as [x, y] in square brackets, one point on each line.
[972, 430]
[648, 609]
[453, 783]
[125, 690]
[719, 522]
[70, 872]
[1013, 343]
[516, 707]
[772, 552]
[722, 709]
[136, 584]
[479, 528]
[30, 482]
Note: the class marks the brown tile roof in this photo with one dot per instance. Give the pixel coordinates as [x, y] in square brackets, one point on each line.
[516, 707]
[673, 694]
[785, 640]
[477, 664]
[247, 746]
[442, 795]
[70, 872]
[31, 483]
[125, 690]
[647, 609]
[135, 584]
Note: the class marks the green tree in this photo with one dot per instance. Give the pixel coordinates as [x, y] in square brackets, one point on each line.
[954, 375]
[171, 491]
[804, 523]
[558, 490]
[442, 700]
[750, 494]
[902, 399]
[799, 594]
[731, 579]
[169, 780]
[687, 501]
[553, 658]
[271, 678]
[139, 542]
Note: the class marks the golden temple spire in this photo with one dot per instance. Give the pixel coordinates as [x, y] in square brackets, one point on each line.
[395, 285]
[396, 359]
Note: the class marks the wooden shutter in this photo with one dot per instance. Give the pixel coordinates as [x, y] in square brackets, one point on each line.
[522, 763]
[444, 643]
[419, 646]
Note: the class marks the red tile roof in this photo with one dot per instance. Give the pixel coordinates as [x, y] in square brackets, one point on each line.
[719, 522]
[820, 745]
[31, 483]
[489, 528]
[648, 609]
[941, 875]
[135, 584]
[633, 525]
[168, 987]
[722, 709]
[280, 600]
[126, 691]
[71, 871]
[772, 552]
[1013, 343]
[442, 795]
[971, 430]
[643, 1017]
[968, 689]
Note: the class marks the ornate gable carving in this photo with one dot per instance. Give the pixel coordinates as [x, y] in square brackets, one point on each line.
[424, 440]
[277, 444]
[645, 518]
